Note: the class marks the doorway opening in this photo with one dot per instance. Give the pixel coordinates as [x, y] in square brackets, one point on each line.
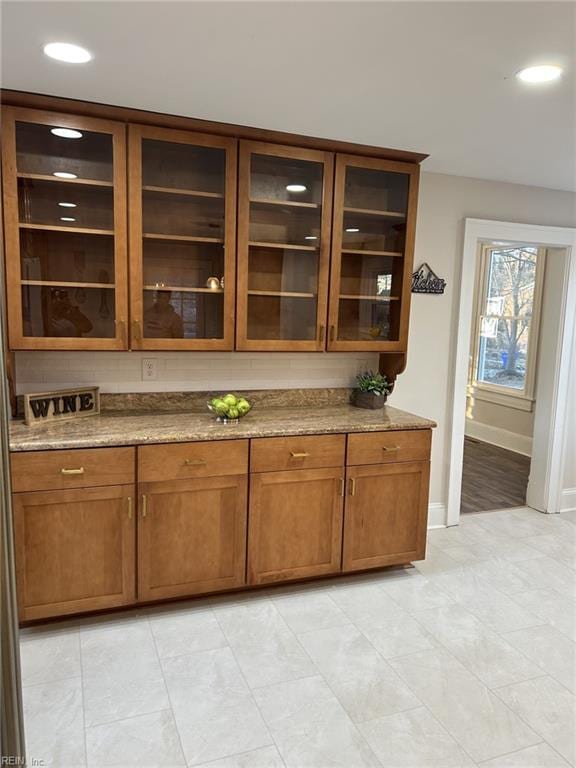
[512, 368]
[501, 391]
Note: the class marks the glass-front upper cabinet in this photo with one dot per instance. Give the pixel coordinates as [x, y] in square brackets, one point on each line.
[284, 210]
[182, 239]
[65, 231]
[372, 253]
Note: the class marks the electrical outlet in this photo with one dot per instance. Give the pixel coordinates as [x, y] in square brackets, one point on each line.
[149, 369]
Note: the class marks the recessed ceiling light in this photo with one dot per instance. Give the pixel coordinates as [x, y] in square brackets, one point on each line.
[67, 205]
[64, 175]
[352, 229]
[71, 54]
[296, 188]
[544, 73]
[66, 133]
[67, 218]
[310, 237]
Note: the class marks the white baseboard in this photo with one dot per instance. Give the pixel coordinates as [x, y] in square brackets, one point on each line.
[500, 437]
[436, 515]
[568, 502]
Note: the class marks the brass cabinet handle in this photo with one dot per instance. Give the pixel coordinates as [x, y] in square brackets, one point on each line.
[129, 507]
[144, 505]
[342, 486]
[77, 471]
[352, 490]
[296, 455]
[321, 333]
[194, 462]
[332, 329]
[390, 448]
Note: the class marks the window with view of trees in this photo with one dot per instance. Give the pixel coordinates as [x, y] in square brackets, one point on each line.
[507, 319]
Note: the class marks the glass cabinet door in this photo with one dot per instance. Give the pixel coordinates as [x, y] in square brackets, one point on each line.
[284, 209]
[182, 239]
[65, 231]
[372, 251]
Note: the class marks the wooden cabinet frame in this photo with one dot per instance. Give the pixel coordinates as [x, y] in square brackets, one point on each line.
[342, 162]
[243, 343]
[17, 339]
[135, 135]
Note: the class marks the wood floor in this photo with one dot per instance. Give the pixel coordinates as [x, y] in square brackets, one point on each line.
[492, 478]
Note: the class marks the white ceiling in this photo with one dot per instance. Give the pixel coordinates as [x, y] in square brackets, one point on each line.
[425, 76]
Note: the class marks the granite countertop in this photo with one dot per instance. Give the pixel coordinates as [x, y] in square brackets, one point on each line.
[114, 428]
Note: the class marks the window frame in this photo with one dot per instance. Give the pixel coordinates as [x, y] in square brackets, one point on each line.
[522, 399]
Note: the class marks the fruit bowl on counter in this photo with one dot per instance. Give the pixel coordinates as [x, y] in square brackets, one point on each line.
[229, 409]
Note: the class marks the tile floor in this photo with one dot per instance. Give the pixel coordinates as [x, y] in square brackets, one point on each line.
[465, 660]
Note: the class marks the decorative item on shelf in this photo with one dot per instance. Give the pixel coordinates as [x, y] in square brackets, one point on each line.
[50, 407]
[424, 280]
[229, 409]
[213, 283]
[372, 390]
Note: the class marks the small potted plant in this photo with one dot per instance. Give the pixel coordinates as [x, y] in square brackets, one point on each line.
[372, 390]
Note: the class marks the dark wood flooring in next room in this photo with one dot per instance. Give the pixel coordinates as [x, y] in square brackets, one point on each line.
[492, 477]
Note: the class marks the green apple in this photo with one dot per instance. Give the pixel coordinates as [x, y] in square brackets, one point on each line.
[230, 399]
[233, 412]
[243, 406]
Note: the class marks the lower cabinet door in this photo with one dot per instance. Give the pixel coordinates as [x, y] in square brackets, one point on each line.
[191, 536]
[75, 550]
[295, 528]
[386, 514]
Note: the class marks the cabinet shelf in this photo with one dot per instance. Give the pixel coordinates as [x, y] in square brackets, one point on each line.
[362, 252]
[185, 192]
[375, 212]
[183, 238]
[66, 284]
[58, 180]
[182, 289]
[283, 246]
[289, 203]
[78, 230]
[364, 297]
[287, 294]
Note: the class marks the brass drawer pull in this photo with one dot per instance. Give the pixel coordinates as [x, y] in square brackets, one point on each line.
[78, 471]
[322, 334]
[390, 448]
[352, 490]
[129, 507]
[144, 505]
[296, 455]
[194, 462]
[342, 486]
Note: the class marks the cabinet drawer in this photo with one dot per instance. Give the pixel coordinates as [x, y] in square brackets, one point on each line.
[186, 460]
[270, 454]
[387, 447]
[58, 470]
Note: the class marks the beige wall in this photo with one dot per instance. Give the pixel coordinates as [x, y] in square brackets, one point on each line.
[500, 416]
[425, 387]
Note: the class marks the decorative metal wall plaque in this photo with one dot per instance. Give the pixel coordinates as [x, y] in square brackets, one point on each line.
[424, 280]
[49, 407]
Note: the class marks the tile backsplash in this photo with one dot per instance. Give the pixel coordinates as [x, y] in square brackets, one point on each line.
[177, 371]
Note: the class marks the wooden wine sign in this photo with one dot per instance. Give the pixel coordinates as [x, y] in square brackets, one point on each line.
[50, 407]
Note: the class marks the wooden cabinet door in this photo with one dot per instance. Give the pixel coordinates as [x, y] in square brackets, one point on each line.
[191, 536]
[284, 210]
[373, 232]
[386, 514]
[182, 239]
[295, 528]
[64, 181]
[75, 550]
